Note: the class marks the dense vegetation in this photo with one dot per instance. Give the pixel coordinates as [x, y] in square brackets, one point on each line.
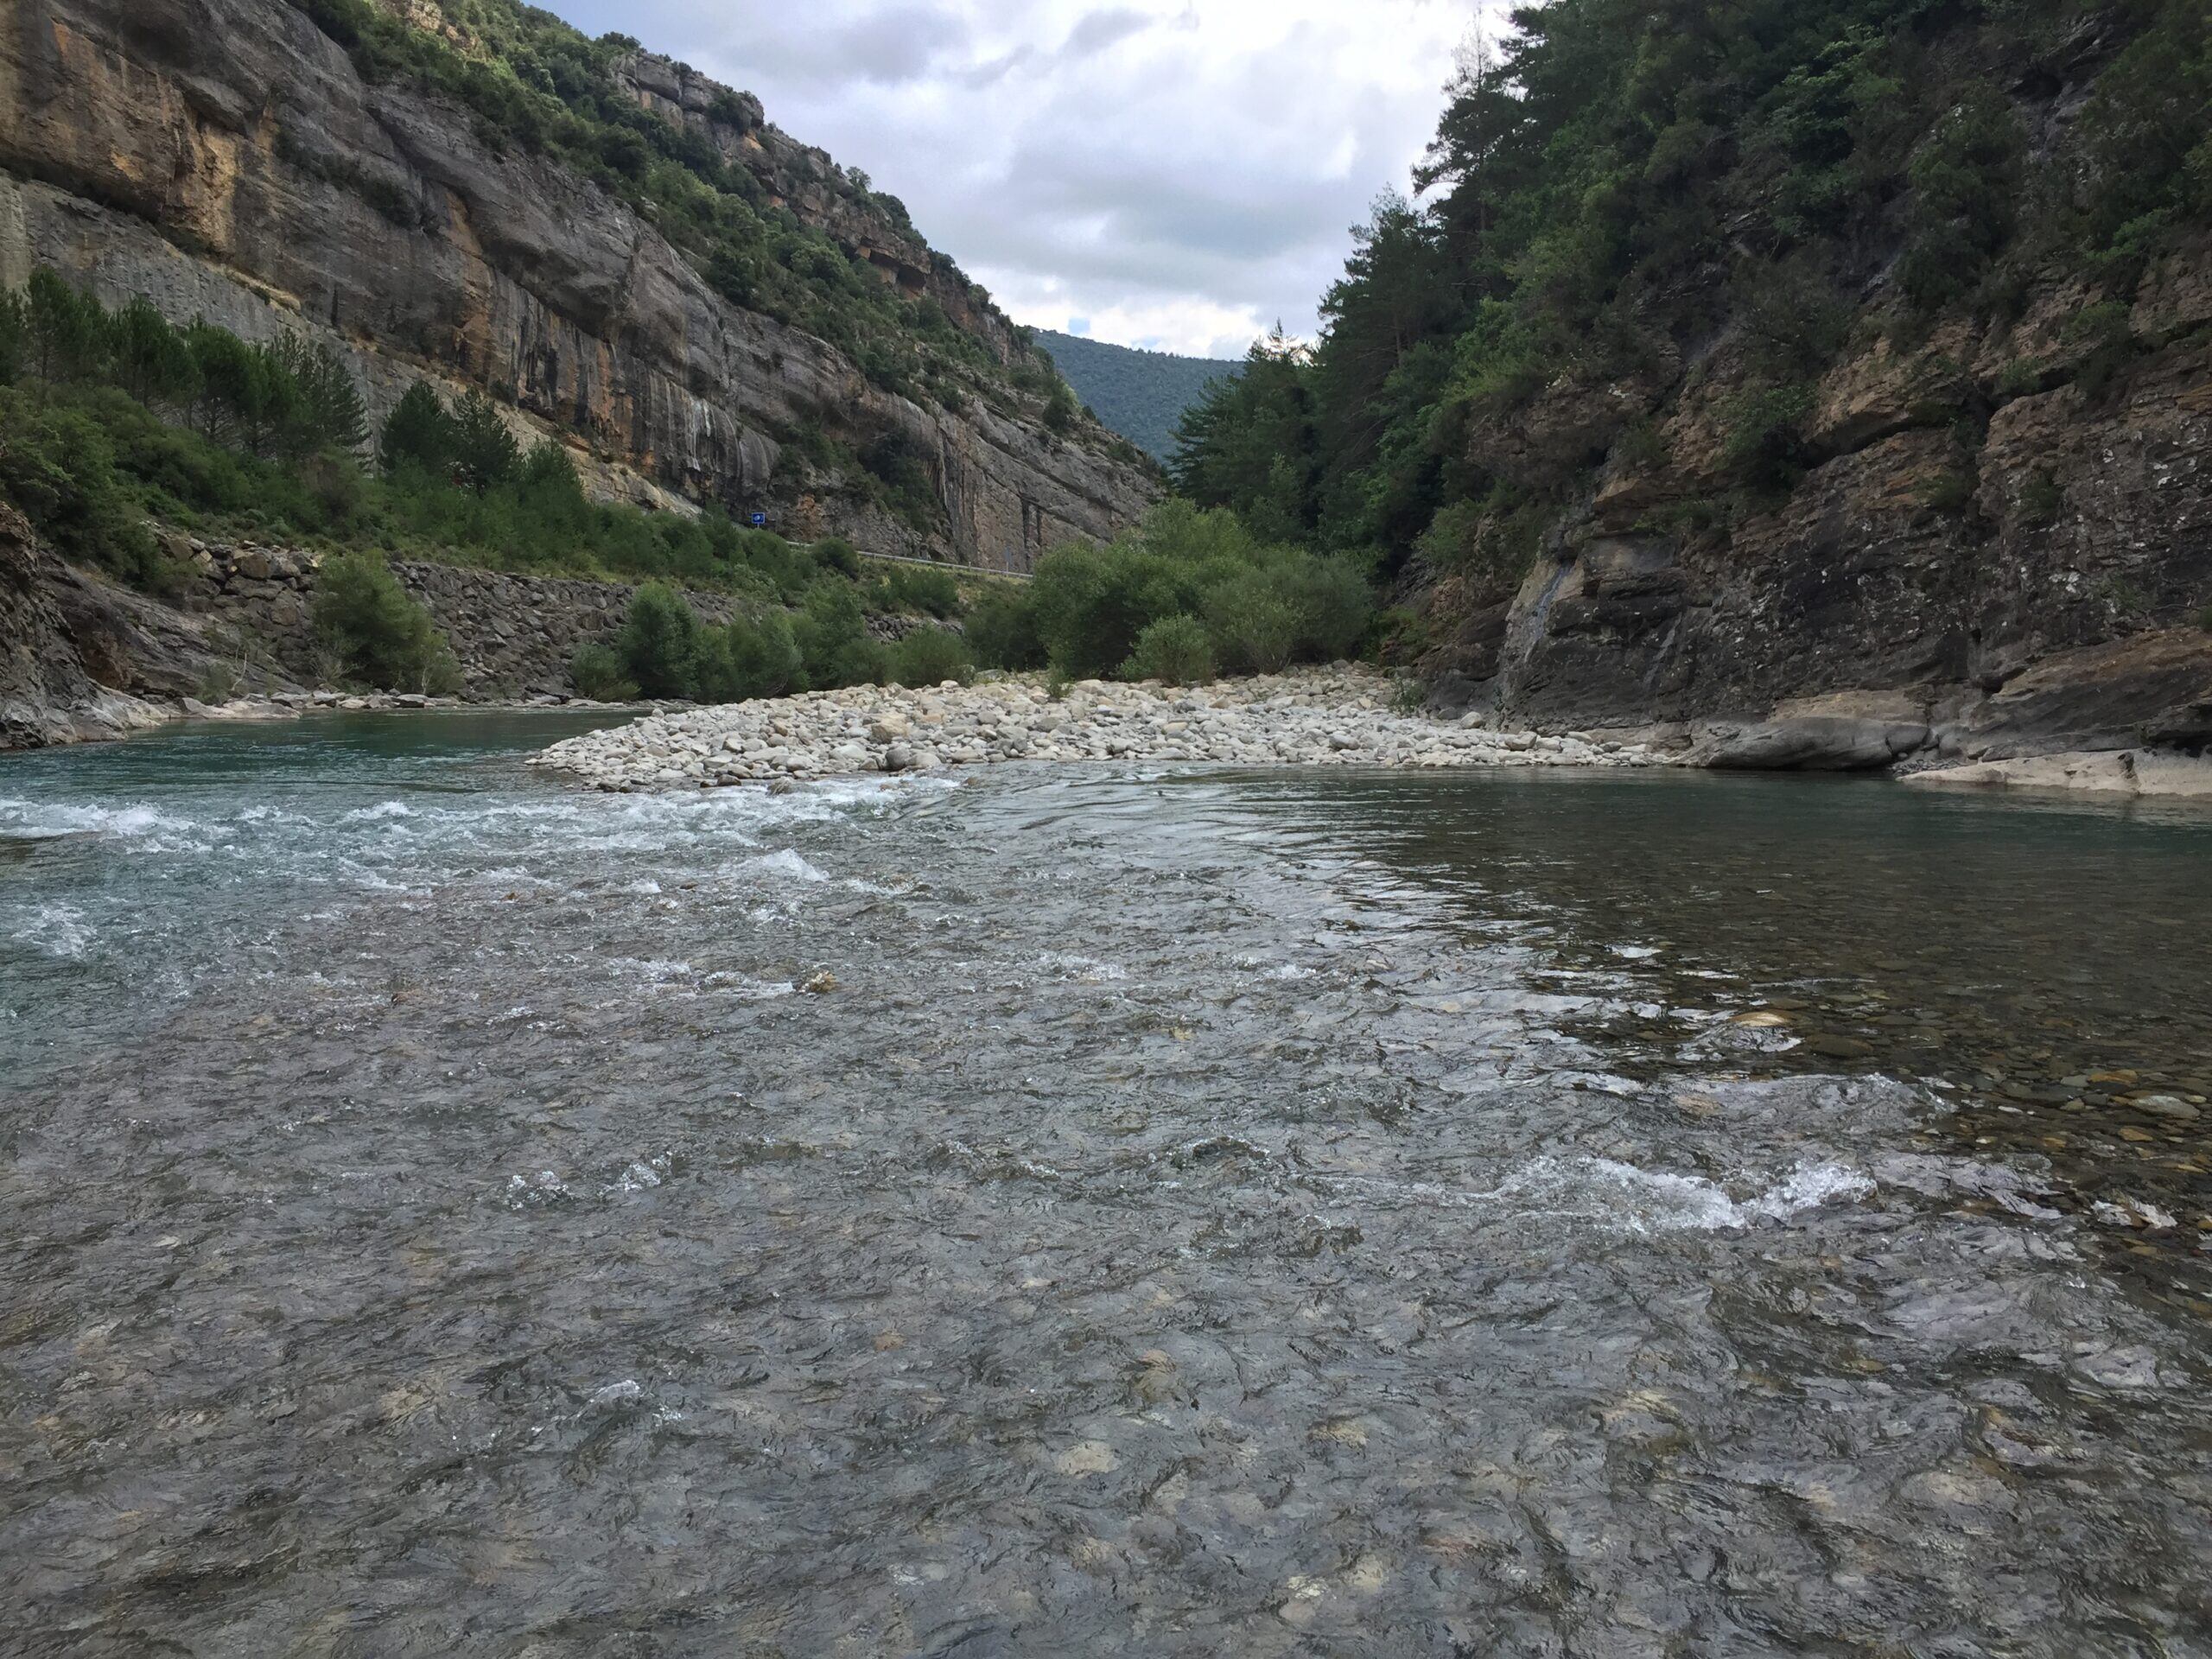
[1140, 395]
[1095, 612]
[1626, 180]
[664, 650]
[1184, 596]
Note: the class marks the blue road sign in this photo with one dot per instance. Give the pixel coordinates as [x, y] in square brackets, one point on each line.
[759, 521]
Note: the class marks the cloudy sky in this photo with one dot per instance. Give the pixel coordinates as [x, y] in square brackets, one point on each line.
[1176, 173]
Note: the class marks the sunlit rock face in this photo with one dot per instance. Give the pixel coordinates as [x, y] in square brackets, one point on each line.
[226, 160]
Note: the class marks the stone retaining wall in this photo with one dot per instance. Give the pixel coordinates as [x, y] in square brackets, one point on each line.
[515, 635]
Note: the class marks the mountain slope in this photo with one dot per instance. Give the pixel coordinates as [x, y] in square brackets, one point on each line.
[1845, 357]
[626, 251]
[1141, 395]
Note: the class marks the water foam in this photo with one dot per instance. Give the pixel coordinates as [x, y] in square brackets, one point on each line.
[787, 863]
[1625, 1197]
[1084, 971]
[57, 931]
[148, 827]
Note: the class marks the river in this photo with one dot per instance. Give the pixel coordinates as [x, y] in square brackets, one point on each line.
[1586, 1214]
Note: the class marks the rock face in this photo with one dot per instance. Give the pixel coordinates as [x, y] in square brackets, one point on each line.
[2152, 774]
[47, 694]
[224, 158]
[1993, 552]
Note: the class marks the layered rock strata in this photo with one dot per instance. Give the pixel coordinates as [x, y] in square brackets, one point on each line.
[1999, 546]
[223, 158]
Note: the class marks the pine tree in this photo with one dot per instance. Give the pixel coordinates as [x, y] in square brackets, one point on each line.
[327, 412]
[486, 455]
[65, 333]
[419, 433]
[151, 359]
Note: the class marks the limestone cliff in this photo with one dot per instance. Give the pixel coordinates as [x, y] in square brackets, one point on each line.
[2001, 545]
[225, 158]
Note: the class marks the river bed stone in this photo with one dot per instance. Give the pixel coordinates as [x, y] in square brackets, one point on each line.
[1341, 715]
[1299, 1210]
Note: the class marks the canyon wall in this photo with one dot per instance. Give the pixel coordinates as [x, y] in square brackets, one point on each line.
[2002, 544]
[224, 158]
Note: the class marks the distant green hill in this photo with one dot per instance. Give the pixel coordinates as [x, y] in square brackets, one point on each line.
[1140, 395]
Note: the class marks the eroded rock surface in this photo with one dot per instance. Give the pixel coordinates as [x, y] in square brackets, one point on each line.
[47, 694]
[224, 158]
[2016, 549]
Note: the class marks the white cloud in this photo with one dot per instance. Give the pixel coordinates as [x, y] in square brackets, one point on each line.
[1179, 173]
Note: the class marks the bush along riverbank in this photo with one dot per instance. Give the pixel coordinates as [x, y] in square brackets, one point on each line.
[1340, 715]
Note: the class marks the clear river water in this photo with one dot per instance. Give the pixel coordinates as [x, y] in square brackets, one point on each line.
[1590, 1214]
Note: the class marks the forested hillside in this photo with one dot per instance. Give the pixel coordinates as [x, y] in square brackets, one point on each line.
[1139, 394]
[1763, 329]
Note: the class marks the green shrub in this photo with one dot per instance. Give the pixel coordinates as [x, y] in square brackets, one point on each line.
[900, 467]
[150, 360]
[1965, 204]
[909, 590]
[1764, 443]
[321, 403]
[14, 321]
[1175, 650]
[58, 464]
[1002, 629]
[750, 659]
[1090, 603]
[833, 640]
[379, 634]
[65, 334]
[2042, 499]
[1951, 490]
[2107, 331]
[1332, 603]
[659, 645]
[1061, 410]
[596, 672]
[838, 556]
[1252, 627]
[2021, 377]
[1396, 635]
[484, 455]
[2147, 135]
[931, 657]
[1264, 606]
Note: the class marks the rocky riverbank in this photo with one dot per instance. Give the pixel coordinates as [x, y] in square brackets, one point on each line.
[2142, 774]
[1336, 716]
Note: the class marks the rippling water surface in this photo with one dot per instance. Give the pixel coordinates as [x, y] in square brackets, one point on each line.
[1584, 1215]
